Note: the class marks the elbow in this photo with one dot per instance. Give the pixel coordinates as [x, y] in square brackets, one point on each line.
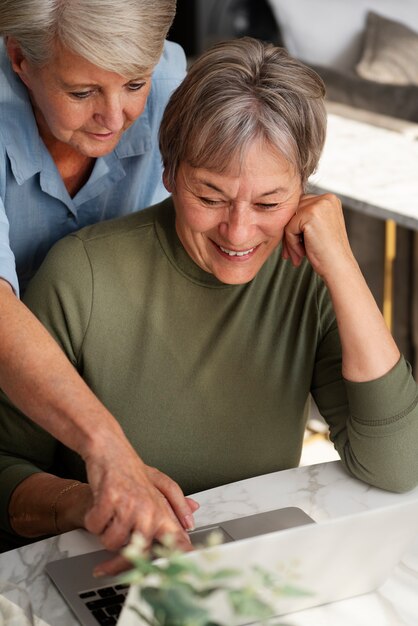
[397, 475]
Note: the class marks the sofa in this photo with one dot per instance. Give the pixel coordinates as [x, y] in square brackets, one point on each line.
[366, 51]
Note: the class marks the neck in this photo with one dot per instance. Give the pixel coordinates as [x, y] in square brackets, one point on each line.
[74, 167]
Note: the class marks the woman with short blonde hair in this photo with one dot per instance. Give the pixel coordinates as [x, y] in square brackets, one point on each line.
[83, 86]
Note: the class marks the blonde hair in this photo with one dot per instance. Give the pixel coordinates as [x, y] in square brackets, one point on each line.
[236, 92]
[122, 36]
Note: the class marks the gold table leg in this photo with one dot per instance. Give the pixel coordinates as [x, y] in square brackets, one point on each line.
[390, 255]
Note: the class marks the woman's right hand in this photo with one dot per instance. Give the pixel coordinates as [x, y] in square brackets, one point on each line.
[130, 496]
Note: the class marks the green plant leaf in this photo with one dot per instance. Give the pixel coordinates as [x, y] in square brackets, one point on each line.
[225, 573]
[246, 602]
[174, 588]
[175, 606]
[144, 617]
[290, 590]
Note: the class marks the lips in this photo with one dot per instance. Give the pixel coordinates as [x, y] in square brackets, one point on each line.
[228, 253]
[236, 252]
[102, 135]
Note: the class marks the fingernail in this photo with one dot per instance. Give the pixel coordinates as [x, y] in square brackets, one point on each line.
[97, 572]
[189, 522]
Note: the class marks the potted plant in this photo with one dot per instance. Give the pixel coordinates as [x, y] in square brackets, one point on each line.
[176, 590]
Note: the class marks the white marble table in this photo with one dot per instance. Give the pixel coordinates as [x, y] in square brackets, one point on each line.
[370, 162]
[372, 168]
[324, 491]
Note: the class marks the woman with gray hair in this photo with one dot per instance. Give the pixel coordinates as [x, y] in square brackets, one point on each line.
[234, 318]
[83, 85]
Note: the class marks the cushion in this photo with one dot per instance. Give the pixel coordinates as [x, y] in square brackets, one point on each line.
[329, 32]
[347, 88]
[390, 52]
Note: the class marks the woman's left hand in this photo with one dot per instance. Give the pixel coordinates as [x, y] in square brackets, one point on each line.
[317, 230]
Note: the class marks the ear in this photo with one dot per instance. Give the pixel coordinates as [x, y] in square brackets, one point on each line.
[17, 58]
[166, 183]
[15, 54]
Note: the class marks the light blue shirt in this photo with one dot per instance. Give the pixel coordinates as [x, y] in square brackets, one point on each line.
[35, 207]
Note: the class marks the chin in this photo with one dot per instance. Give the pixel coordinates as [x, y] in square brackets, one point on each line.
[95, 149]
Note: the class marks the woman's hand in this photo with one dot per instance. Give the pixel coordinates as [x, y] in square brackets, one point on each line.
[129, 496]
[317, 230]
[134, 497]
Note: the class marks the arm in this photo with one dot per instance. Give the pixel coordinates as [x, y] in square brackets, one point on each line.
[44, 504]
[368, 349]
[38, 378]
[363, 387]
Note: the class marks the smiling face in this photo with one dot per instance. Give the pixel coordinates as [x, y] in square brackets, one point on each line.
[79, 104]
[230, 223]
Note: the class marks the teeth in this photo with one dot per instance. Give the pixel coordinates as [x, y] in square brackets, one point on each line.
[234, 253]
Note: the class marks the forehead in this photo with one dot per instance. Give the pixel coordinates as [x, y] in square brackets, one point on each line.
[66, 68]
[258, 164]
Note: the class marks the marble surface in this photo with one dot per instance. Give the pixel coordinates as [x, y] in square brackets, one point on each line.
[324, 491]
[372, 169]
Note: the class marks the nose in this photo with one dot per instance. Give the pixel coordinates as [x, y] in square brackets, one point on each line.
[111, 114]
[238, 227]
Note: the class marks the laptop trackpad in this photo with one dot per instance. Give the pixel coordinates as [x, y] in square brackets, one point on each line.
[253, 525]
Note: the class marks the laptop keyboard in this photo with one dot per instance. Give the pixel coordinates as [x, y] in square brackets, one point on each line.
[105, 604]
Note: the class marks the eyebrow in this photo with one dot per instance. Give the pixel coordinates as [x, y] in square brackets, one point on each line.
[77, 86]
[266, 193]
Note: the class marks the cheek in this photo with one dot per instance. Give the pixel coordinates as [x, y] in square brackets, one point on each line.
[136, 106]
[61, 116]
[200, 221]
[192, 216]
[140, 107]
[69, 120]
[276, 227]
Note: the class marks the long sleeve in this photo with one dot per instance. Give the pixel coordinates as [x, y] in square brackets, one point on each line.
[374, 424]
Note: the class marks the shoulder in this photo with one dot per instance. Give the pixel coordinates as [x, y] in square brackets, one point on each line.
[134, 225]
[101, 249]
[172, 64]
[167, 76]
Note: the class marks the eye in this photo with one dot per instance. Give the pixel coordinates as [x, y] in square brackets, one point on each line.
[81, 95]
[267, 206]
[210, 202]
[136, 86]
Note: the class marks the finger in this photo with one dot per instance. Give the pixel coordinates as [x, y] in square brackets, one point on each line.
[119, 563]
[180, 539]
[193, 505]
[117, 533]
[175, 497]
[285, 251]
[113, 566]
[99, 516]
[171, 526]
[295, 247]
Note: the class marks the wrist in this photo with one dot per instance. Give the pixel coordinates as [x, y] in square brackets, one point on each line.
[99, 437]
[70, 506]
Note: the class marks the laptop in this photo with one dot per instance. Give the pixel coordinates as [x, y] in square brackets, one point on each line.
[325, 561]
[99, 601]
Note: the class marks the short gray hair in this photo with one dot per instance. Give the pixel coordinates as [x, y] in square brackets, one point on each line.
[122, 36]
[236, 92]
